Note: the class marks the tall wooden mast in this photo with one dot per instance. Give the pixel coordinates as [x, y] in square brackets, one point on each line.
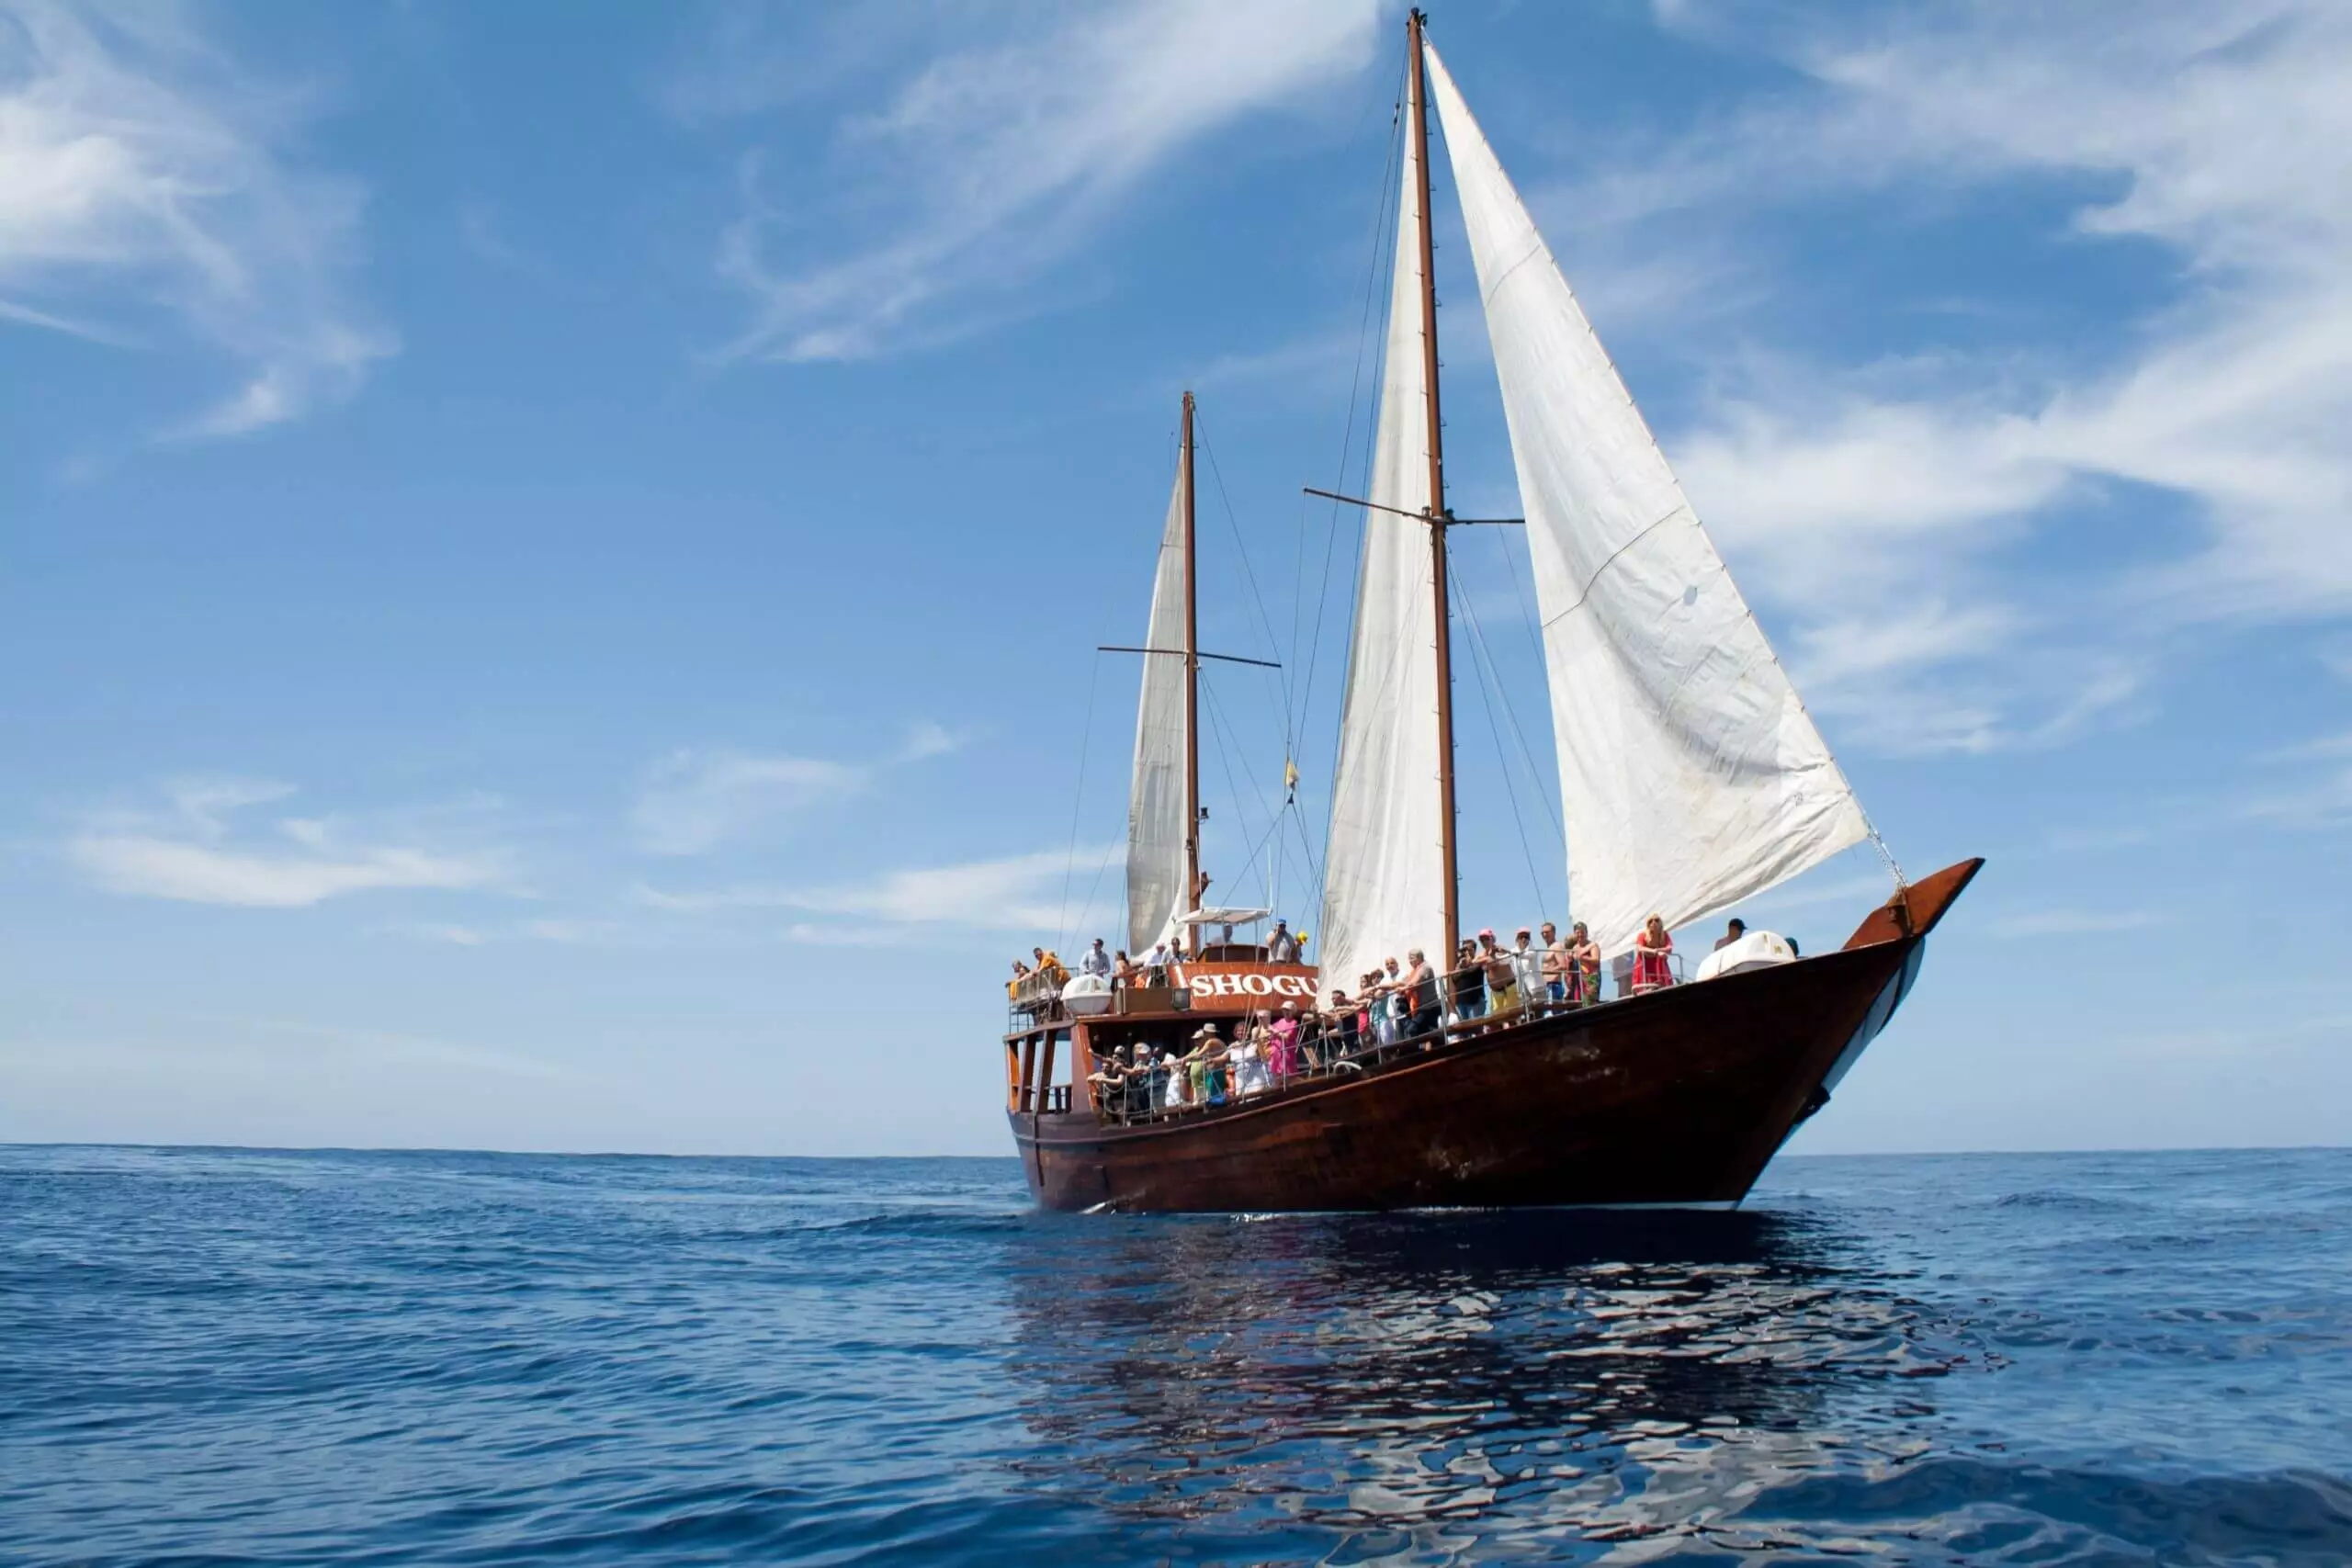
[1191, 899]
[1418, 127]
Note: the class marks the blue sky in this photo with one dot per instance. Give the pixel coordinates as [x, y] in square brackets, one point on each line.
[554, 557]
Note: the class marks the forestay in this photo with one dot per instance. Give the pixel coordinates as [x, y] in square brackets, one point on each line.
[1385, 878]
[1690, 775]
[1156, 891]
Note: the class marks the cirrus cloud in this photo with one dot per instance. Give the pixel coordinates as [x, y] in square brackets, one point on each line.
[190, 853]
[144, 177]
[1013, 138]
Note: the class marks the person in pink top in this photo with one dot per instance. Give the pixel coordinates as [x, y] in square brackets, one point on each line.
[1651, 944]
[1282, 1051]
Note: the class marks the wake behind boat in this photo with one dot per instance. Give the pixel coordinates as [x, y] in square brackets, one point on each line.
[1690, 778]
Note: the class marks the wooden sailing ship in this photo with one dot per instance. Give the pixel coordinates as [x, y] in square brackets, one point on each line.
[1690, 778]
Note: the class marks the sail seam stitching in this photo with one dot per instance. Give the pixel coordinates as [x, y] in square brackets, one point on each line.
[1586, 592]
[1488, 298]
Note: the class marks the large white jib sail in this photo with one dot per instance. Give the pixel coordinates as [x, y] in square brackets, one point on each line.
[1383, 885]
[1690, 775]
[1156, 893]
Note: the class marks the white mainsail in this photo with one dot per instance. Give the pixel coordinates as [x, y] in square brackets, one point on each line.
[1690, 775]
[1384, 877]
[1156, 798]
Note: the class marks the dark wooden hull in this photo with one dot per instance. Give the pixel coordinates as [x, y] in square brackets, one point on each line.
[1679, 1096]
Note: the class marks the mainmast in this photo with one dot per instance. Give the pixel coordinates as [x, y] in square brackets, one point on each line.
[1193, 889]
[1418, 127]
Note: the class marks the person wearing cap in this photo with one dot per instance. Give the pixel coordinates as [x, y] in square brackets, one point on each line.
[1282, 947]
[1732, 933]
[1207, 1062]
[1281, 1044]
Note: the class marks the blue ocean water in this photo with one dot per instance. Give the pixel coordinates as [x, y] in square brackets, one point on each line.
[227, 1357]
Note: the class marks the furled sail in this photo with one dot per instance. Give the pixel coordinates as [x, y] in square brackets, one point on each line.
[1156, 798]
[1690, 775]
[1384, 879]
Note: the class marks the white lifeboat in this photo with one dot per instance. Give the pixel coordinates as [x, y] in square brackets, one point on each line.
[1086, 995]
[1756, 950]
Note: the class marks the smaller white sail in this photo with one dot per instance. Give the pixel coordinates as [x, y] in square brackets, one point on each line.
[1384, 890]
[1156, 893]
[1690, 775]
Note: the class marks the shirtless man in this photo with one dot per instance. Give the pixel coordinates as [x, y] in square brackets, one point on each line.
[1555, 964]
[1586, 954]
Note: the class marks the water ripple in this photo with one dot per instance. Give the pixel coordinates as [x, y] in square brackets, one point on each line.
[257, 1358]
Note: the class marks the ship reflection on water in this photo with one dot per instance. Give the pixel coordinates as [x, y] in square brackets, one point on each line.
[1424, 1385]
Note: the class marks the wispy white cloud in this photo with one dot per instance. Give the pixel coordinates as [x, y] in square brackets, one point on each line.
[2317, 797]
[2320, 747]
[928, 739]
[692, 801]
[1851, 495]
[190, 853]
[1015, 136]
[142, 174]
[561, 931]
[70, 326]
[1017, 893]
[804, 933]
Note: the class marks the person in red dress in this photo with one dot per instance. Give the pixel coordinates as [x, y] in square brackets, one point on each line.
[1651, 944]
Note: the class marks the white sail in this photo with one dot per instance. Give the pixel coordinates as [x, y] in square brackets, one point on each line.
[1690, 775]
[1384, 879]
[1156, 894]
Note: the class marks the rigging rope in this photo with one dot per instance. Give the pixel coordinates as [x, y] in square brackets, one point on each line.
[1527, 753]
[1096, 886]
[1265, 622]
[1482, 664]
[1061, 931]
[1226, 752]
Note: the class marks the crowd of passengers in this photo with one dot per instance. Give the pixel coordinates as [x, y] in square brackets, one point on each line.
[1152, 969]
[1485, 979]
[1398, 1005]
